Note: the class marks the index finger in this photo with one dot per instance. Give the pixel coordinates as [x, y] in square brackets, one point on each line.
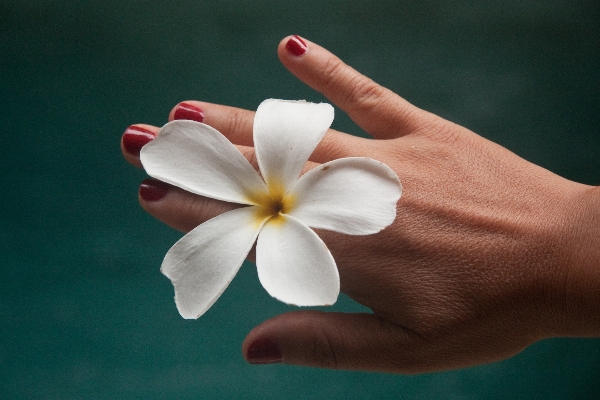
[377, 110]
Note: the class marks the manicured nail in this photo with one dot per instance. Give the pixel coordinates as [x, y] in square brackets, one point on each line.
[135, 138]
[188, 111]
[153, 190]
[263, 351]
[296, 46]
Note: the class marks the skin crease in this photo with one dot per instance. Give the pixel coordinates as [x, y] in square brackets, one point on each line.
[488, 254]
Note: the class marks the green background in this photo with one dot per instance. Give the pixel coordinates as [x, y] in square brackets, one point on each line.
[84, 310]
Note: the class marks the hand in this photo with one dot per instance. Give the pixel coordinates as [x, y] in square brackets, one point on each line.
[488, 253]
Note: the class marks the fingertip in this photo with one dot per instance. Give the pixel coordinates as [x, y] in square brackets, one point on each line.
[263, 344]
[190, 110]
[152, 190]
[133, 139]
[262, 351]
[296, 46]
[292, 48]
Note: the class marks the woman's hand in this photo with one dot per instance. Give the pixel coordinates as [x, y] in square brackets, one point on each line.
[488, 253]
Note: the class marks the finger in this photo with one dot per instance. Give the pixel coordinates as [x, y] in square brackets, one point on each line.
[134, 138]
[178, 208]
[333, 340]
[377, 110]
[183, 210]
[236, 124]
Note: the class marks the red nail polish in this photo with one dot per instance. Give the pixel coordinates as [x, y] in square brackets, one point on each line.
[135, 138]
[153, 190]
[296, 46]
[188, 111]
[263, 351]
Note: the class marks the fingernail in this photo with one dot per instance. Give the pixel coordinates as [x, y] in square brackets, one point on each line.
[296, 46]
[135, 138]
[263, 351]
[188, 111]
[153, 190]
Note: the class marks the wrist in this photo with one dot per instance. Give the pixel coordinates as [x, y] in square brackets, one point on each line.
[577, 286]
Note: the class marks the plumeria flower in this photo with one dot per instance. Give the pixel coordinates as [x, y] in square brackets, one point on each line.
[355, 196]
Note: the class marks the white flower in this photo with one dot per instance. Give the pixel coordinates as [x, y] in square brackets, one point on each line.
[355, 196]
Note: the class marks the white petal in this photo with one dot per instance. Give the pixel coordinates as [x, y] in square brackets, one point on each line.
[355, 196]
[199, 159]
[294, 265]
[285, 135]
[202, 263]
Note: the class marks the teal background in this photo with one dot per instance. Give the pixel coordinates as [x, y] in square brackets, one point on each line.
[84, 310]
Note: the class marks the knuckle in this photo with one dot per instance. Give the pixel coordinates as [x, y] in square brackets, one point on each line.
[364, 93]
[251, 157]
[196, 210]
[332, 70]
[186, 210]
[321, 351]
[237, 120]
[444, 132]
[357, 89]
[448, 134]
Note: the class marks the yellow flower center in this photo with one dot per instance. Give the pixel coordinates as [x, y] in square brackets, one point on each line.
[271, 204]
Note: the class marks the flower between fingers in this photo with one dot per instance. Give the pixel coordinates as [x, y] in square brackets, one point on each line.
[354, 196]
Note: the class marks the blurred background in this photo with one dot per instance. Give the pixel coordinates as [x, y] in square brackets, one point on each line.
[84, 310]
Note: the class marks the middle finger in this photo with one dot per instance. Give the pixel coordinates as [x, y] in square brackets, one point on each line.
[236, 125]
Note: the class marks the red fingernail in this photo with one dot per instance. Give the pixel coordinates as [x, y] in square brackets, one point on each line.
[153, 190]
[263, 351]
[296, 46]
[135, 138]
[188, 111]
